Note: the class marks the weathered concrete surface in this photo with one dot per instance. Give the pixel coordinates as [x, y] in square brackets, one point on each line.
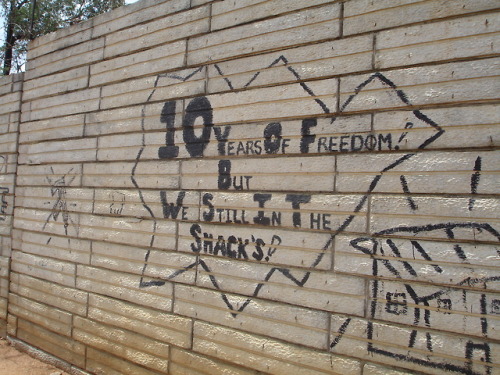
[254, 187]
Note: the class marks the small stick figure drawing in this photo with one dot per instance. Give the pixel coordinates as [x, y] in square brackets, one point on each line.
[60, 207]
[117, 202]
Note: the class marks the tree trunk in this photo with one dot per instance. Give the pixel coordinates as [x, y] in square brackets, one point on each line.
[10, 39]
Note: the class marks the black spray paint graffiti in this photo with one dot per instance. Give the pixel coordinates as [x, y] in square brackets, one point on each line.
[397, 303]
[200, 107]
[474, 181]
[232, 246]
[274, 218]
[407, 192]
[195, 145]
[3, 164]
[4, 204]
[60, 206]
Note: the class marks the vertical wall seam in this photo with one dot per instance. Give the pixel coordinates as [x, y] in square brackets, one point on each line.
[88, 76]
[278, 281]
[328, 332]
[341, 20]
[12, 228]
[210, 10]
[374, 51]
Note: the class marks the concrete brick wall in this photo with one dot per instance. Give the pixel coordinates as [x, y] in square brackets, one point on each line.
[10, 109]
[258, 186]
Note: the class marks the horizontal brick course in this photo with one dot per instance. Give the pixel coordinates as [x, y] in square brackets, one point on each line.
[256, 186]
[368, 15]
[302, 27]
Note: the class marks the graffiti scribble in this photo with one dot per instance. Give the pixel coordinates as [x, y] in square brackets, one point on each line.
[385, 253]
[60, 207]
[302, 279]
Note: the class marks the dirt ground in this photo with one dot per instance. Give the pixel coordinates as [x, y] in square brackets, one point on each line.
[14, 362]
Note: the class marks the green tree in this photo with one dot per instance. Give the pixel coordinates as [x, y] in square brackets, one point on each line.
[48, 16]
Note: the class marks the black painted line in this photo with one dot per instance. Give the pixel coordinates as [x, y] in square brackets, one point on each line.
[340, 332]
[474, 181]
[285, 271]
[407, 192]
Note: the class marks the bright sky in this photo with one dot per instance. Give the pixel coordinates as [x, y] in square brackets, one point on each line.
[2, 30]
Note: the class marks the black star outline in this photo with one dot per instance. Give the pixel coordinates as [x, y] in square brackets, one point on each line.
[300, 280]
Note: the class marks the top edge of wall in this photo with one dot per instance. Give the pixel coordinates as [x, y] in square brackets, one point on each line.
[11, 78]
[85, 30]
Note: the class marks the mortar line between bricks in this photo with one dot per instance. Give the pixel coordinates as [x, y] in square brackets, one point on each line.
[63, 70]
[265, 34]
[149, 308]
[435, 239]
[437, 41]
[263, 354]
[263, 318]
[145, 48]
[416, 261]
[345, 114]
[142, 22]
[465, 79]
[363, 33]
[425, 22]
[317, 271]
[391, 8]
[259, 4]
[104, 228]
[348, 74]
[395, 345]
[92, 28]
[271, 17]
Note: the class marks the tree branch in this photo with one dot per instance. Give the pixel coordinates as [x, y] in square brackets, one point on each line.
[20, 5]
